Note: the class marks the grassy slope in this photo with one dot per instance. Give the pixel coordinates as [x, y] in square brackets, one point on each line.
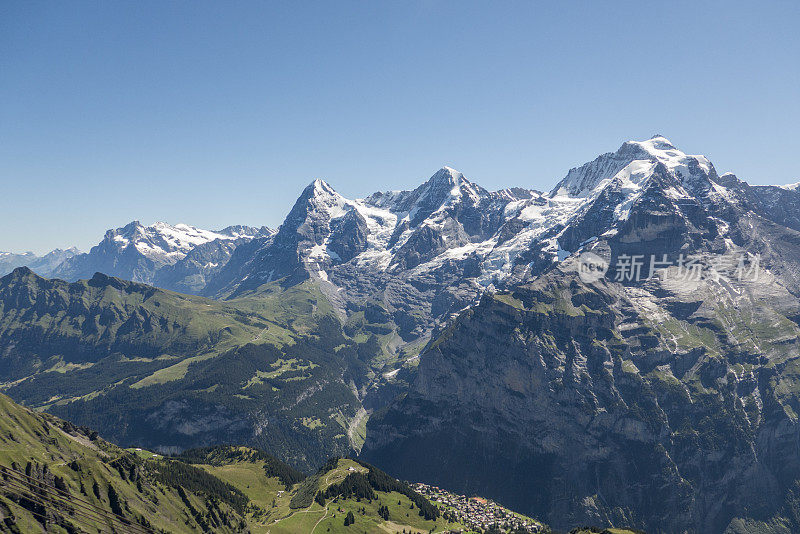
[106, 328]
[63, 328]
[39, 445]
[120, 354]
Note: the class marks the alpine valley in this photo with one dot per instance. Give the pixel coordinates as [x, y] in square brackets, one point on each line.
[450, 335]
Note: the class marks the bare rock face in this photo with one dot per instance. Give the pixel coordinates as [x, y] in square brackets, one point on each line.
[595, 403]
[192, 273]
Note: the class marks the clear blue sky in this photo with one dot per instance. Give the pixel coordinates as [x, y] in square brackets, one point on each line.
[215, 113]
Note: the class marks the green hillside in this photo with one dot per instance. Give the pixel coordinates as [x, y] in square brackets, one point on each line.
[59, 478]
[322, 502]
[61, 327]
[164, 371]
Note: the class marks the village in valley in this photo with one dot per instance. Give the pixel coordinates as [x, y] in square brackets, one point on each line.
[477, 513]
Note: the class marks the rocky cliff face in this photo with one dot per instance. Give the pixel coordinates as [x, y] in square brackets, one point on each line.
[662, 406]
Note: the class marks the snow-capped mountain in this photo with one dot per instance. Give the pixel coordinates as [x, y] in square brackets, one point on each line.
[191, 273]
[411, 250]
[449, 219]
[390, 231]
[47, 264]
[429, 252]
[137, 252]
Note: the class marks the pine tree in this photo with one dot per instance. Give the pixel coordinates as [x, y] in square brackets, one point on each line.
[113, 500]
[349, 519]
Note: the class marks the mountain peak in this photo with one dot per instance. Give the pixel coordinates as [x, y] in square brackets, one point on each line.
[660, 148]
[319, 187]
[238, 231]
[447, 185]
[633, 157]
[447, 175]
[448, 182]
[320, 193]
[318, 200]
[657, 143]
[20, 273]
[161, 242]
[660, 137]
[23, 271]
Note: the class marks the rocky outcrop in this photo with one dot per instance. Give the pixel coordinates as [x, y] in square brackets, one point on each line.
[644, 404]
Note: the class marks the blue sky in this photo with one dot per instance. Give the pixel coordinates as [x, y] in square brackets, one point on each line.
[217, 113]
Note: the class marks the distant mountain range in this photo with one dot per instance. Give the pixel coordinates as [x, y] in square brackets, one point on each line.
[178, 257]
[622, 349]
[44, 265]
